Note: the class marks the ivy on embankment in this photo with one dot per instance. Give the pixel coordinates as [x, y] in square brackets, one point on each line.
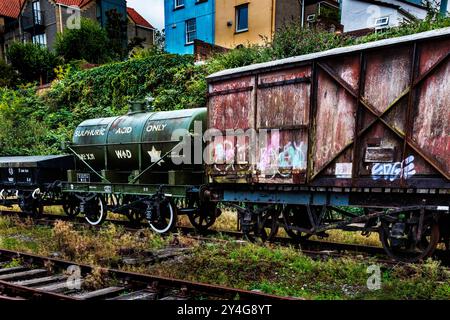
[38, 123]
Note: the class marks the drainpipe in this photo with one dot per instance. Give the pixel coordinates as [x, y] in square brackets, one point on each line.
[303, 13]
[60, 18]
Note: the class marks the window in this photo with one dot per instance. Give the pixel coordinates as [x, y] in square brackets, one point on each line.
[311, 18]
[191, 31]
[40, 39]
[37, 18]
[242, 18]
[179, 4]
[382, 22]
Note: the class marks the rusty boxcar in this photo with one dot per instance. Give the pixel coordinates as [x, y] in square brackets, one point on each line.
[365, 126]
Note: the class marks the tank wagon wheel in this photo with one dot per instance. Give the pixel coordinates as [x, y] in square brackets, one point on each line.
[136, 212]
[135, 216]
[161, 215]
[399, 240]
[71, 206]
[204, 216]
[95, 210]
[296, 216]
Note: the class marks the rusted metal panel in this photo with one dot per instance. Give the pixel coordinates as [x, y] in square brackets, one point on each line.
[283, 99]
[231, 105]
[335, 121]
[387, 76]
[431, 125]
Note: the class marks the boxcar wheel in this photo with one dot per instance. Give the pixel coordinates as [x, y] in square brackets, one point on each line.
[96, 211]
[204, 216]
[263, 226]
[296, 216]
[405, 248]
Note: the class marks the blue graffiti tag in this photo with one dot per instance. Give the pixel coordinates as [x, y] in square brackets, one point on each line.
[393, 171]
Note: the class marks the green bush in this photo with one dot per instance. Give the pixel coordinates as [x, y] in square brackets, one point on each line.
[23, 130]
[33, 62]
[8, 77]
[89, 42]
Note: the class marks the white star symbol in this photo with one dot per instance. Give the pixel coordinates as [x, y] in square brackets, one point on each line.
[155, 156]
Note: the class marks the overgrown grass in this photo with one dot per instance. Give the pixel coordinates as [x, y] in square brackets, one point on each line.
[271, 269]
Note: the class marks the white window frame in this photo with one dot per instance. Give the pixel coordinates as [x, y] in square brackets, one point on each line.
[237, 17]
[382, 22]
[36, 10]
[178, 5]
[40, 39]
[311, 17]
[189, 32]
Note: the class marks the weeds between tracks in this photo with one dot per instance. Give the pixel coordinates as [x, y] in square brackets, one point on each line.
[271, 269]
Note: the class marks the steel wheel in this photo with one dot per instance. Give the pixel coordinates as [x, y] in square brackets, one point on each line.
[407, 249]
[162, 216]
[262, 227]
[71, 206]
[204, 217]
[96, 211]
[136, 212]
[296, 216]
[269, 225]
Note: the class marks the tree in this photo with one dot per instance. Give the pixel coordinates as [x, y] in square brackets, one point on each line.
[160, 39]
[116, 28]
[89, 42]
[33, 62]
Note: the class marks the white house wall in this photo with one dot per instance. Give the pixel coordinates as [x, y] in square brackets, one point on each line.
[357, 15]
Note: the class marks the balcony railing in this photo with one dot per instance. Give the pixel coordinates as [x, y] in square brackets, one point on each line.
[35, 20]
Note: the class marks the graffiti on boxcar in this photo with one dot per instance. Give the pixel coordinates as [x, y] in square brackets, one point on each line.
[393, 171]
[291, 157]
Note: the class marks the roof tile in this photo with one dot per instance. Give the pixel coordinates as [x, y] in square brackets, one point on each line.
[10, 8]
[138, 19]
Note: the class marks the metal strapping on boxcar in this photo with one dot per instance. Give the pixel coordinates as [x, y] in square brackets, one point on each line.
[375, 115]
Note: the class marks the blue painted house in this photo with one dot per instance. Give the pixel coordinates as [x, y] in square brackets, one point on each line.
[187, 20]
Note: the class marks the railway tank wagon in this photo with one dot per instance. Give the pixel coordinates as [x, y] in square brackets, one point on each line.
[135, 165]
[366, 126]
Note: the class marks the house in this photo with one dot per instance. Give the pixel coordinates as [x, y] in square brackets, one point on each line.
[139, 29]
[360, 15]
[9, 23]
[186, 21]
[229, 24]
[39, 21]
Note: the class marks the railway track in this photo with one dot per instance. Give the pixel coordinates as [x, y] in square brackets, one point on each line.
[312, 248]
[33, 277]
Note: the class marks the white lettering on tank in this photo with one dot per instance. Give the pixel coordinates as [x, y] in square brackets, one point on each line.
[124, 130]
[87, 156]
[156, 127]
[90, 132]
[123, 154]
